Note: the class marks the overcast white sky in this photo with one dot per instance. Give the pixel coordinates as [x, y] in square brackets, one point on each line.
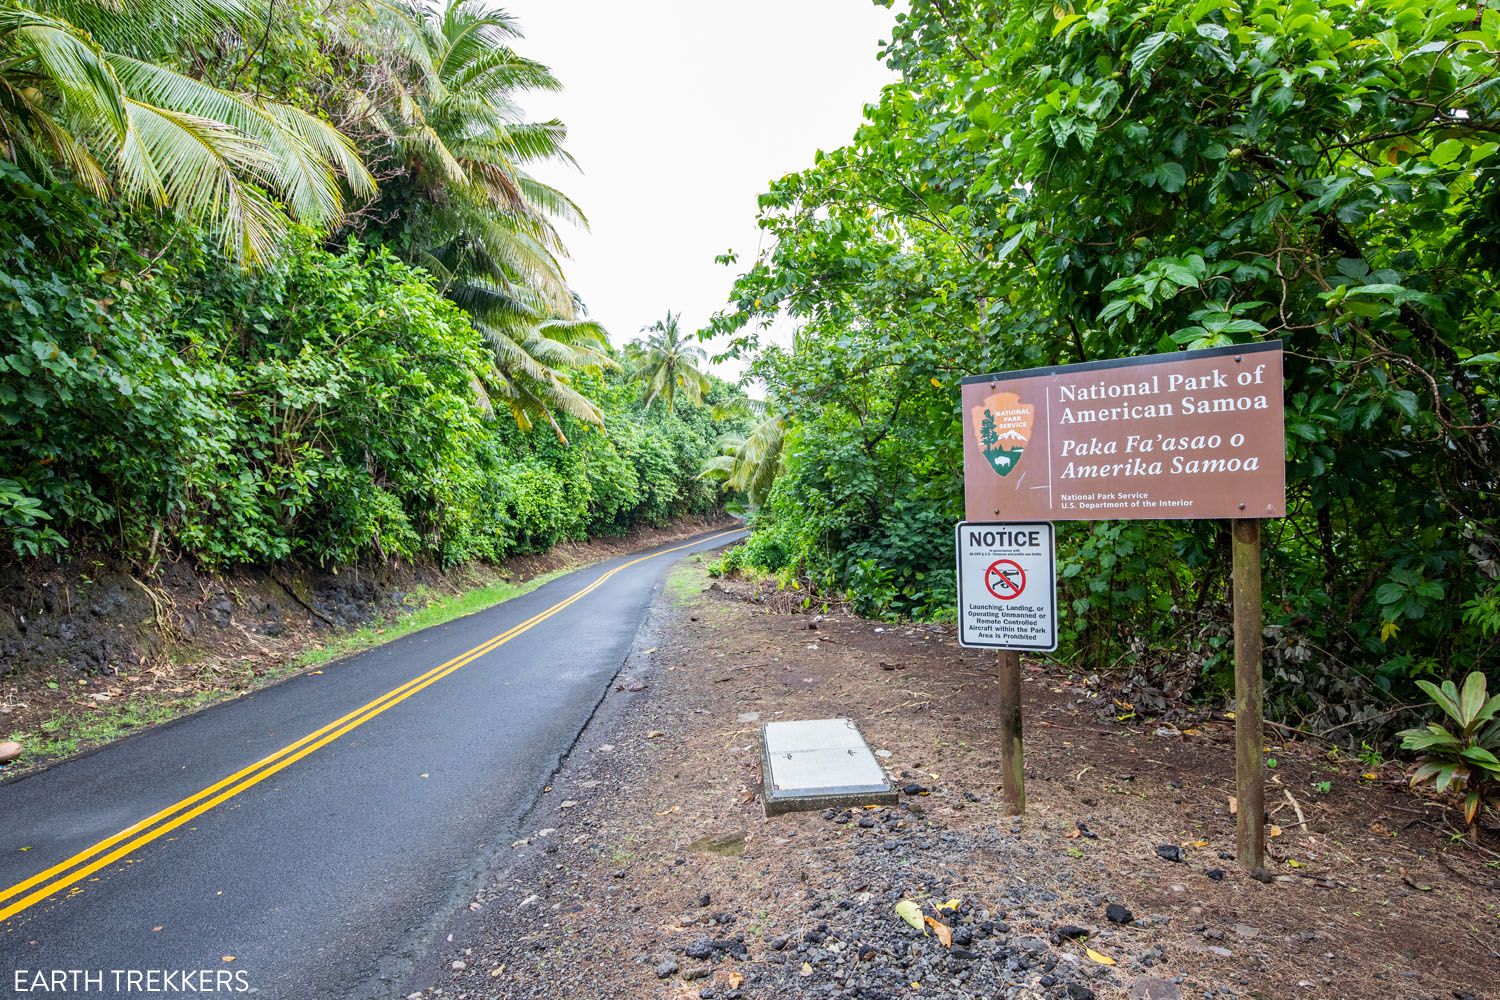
[681, 112]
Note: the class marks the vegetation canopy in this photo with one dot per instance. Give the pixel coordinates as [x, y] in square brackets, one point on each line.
[1048, 184]
[277, 283]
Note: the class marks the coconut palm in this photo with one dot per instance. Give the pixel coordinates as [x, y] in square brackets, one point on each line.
[469, 210]
[750, 465]
[79, 92]
[668, 363]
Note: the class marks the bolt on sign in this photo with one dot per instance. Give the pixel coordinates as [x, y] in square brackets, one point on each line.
[1188, 435]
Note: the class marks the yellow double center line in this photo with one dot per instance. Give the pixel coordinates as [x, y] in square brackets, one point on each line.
[137, 835]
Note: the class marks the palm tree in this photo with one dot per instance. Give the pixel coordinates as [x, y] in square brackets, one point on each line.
[750, 465]
[469, 211]
[80, 92]
[666, 362]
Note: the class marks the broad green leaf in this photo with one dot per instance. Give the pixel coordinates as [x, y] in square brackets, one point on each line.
[1008, 247]
[1171, 176]
[1472, 698]
[1064, 22]
[1140, 59]
[1446, 152]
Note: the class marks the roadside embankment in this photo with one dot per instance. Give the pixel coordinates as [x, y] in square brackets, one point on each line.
[90, 652]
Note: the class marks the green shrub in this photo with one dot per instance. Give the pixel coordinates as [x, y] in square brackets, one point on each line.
[155, 398]
[1461, 759]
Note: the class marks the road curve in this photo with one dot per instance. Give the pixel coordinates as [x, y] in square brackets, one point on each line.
[295, 842]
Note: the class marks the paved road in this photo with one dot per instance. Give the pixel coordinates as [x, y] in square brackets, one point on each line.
[312, 830]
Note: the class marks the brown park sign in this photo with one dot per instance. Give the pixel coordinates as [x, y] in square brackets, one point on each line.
[1196, 434]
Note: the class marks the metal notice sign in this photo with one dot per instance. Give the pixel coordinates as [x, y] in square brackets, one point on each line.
[1007, 586]
[1196, 434]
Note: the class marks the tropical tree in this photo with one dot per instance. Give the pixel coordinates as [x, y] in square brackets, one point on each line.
[464, 206]
[749, 465]
[1056, 183]
[81, 92]
[667, 362]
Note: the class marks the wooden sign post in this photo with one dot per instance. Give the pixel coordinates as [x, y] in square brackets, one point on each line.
[1186, 436]
[1012, 757]
[1249, 725]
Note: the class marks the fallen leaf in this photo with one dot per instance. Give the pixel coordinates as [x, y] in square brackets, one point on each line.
[668, 812]
[943, 931]
[806, 969]
[26, 848]
[496, 971]
[1293, 863]
[156, 928]
[1234, 805]
[1408, 880]
[1073, 834]
[1191, 732]
[1370, 776]
[735, 979]
[952, 904]
[1197, 843]
[654, 734]
[910, 912]
[1102, 959]
[1229, 716]
[1275, 830]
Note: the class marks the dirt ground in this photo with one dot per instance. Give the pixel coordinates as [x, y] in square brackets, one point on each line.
[651, 871]
[91, 652]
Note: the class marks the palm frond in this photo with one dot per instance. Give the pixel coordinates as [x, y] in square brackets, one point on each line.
[751, 464]
[199, 165]
[129, 24]
[37, 138]
[172, 141]
[72, 64]
[550, 200]
[305, 154]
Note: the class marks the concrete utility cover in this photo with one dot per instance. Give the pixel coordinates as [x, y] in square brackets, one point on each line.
[818, 763]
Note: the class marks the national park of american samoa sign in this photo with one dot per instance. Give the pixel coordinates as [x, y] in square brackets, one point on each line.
[1194, 434]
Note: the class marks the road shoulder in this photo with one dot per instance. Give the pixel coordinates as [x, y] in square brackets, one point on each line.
[648, 869]
[128, 655]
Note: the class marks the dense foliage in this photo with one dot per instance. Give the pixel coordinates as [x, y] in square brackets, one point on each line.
[1051, 183]
[332, 406]
[278, 284]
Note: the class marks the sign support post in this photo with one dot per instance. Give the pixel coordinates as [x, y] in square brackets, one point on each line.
[1249, 729]
[1013, 783]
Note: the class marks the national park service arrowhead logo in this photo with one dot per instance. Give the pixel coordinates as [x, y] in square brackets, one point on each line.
[1002, 426]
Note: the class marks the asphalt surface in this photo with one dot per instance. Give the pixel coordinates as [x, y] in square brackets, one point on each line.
[319, 872]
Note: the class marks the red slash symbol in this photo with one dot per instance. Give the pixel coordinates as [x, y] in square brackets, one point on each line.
[1005, 579]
